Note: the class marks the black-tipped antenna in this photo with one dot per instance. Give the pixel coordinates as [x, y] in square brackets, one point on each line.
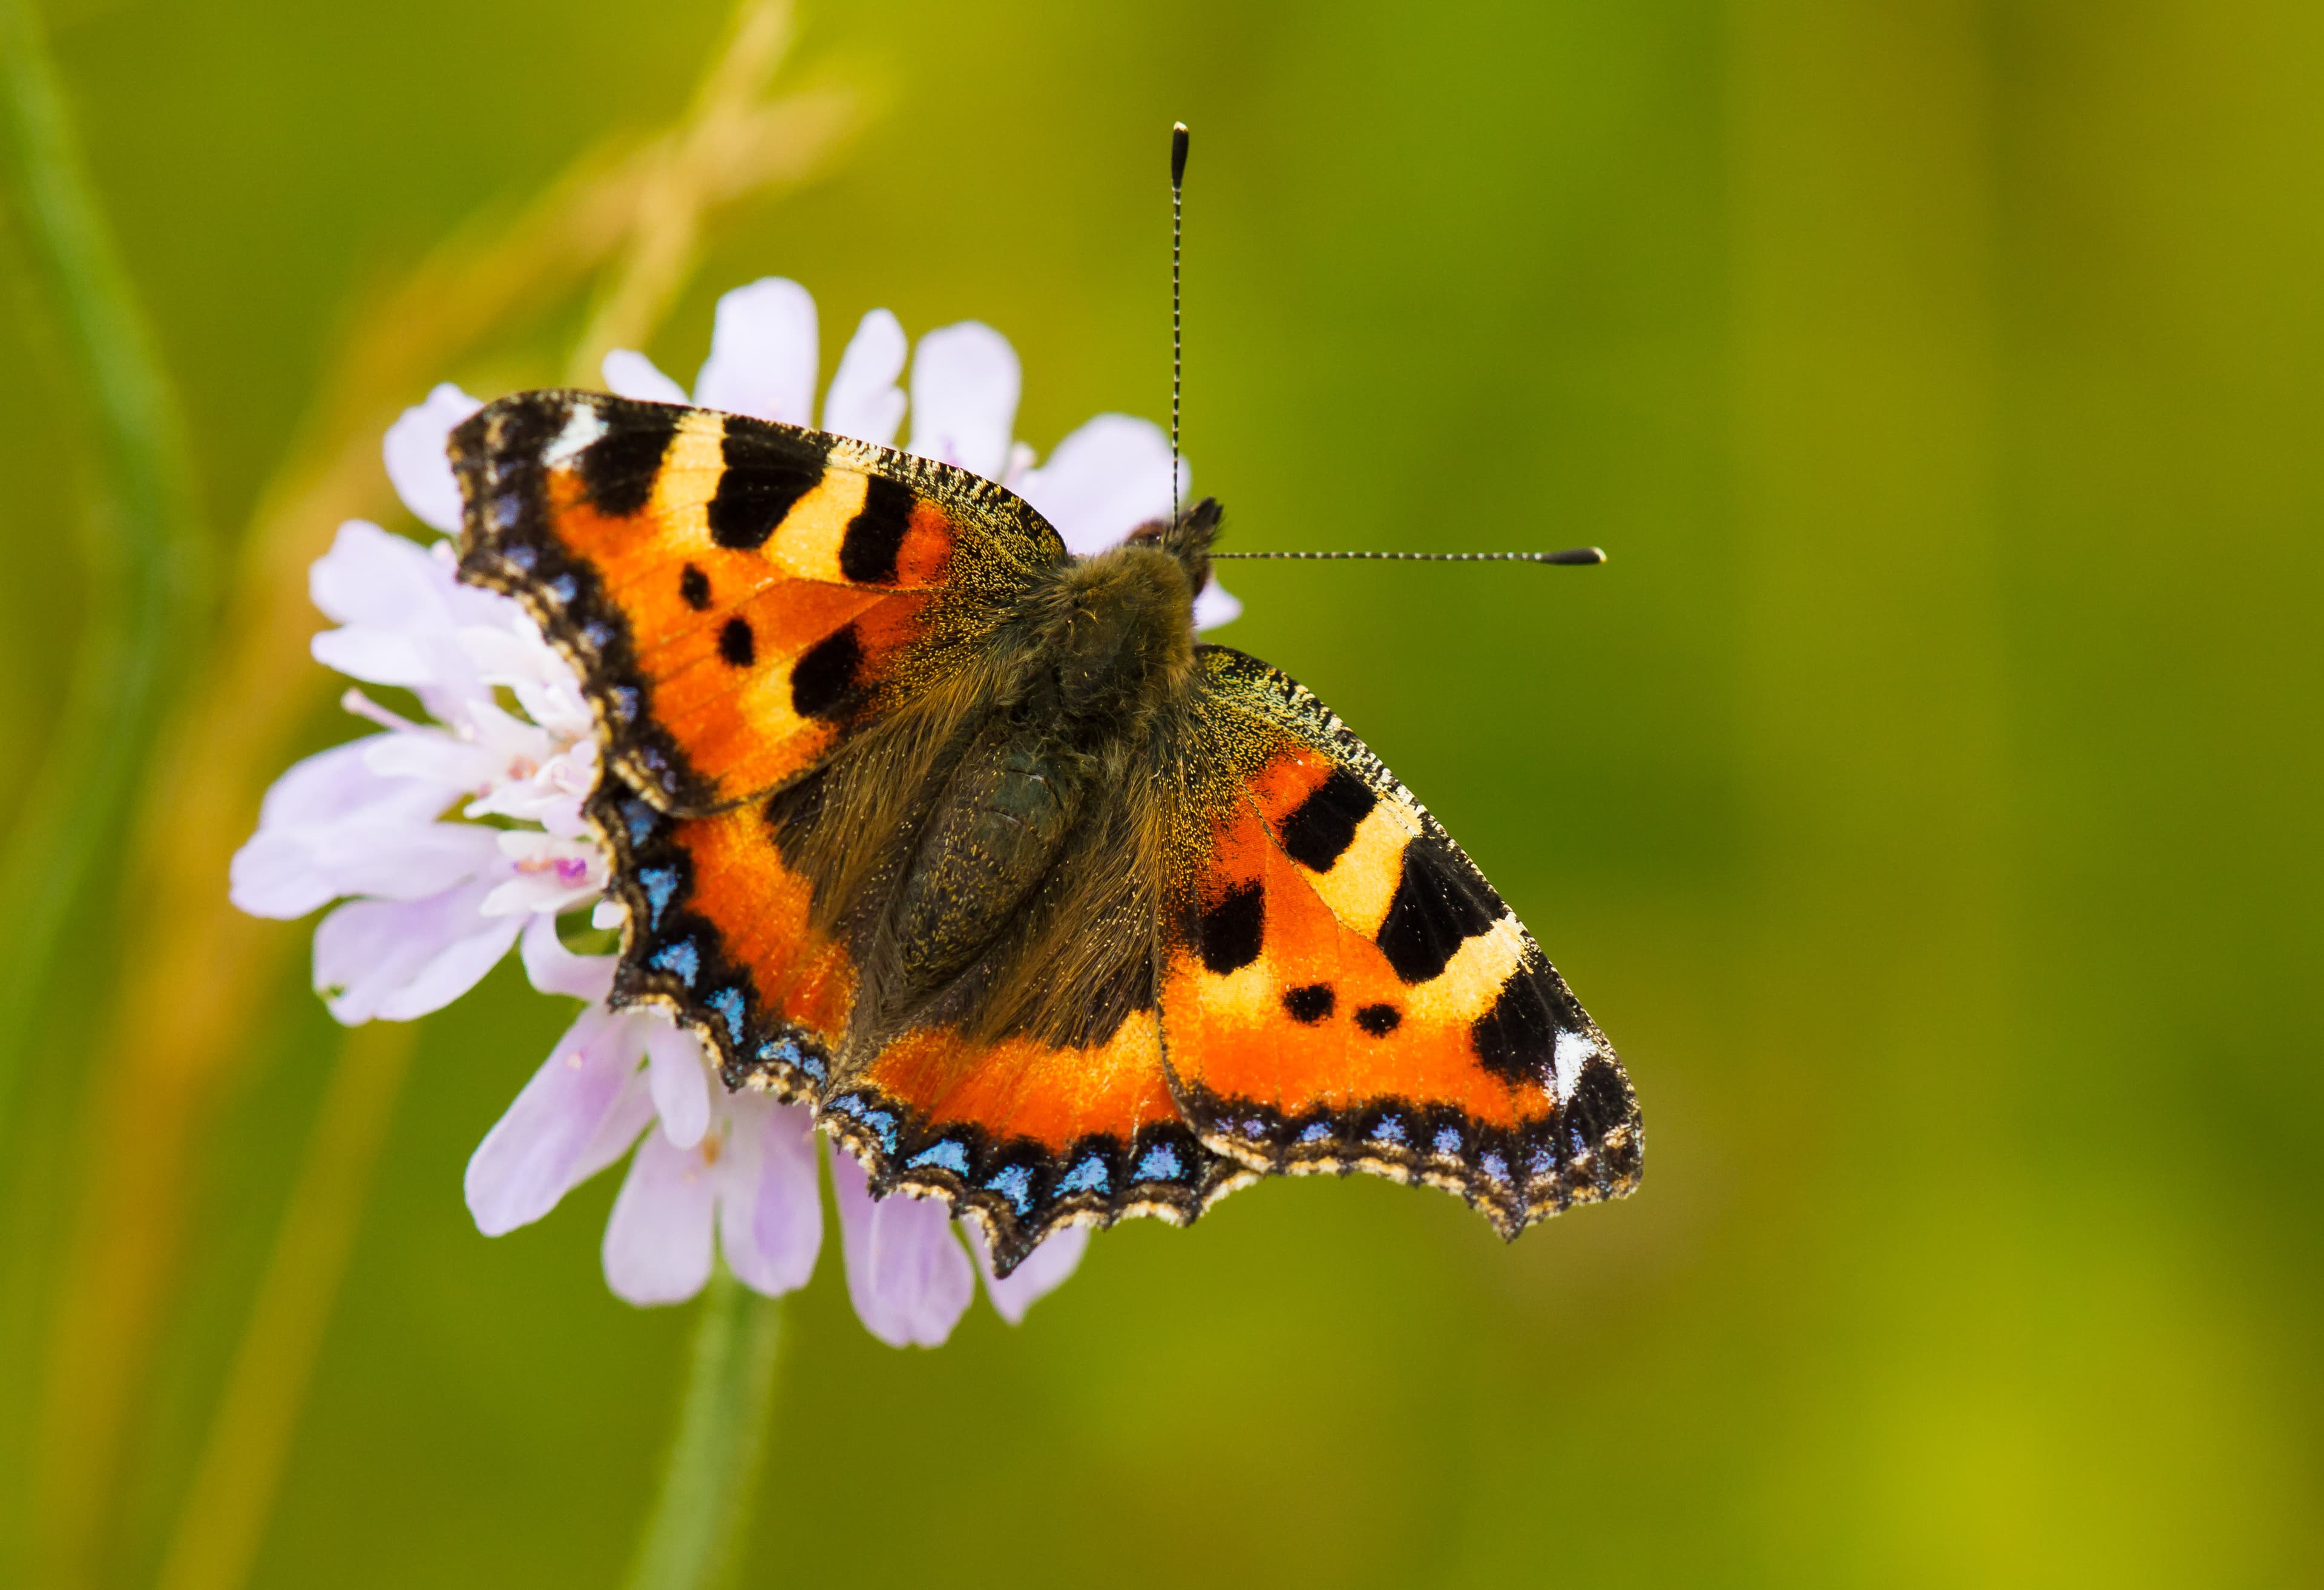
[1178, 195]
[1570, 556]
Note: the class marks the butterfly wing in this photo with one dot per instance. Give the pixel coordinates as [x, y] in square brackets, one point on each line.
[737, 596]
[742, 601]
[1026, 1134]
[1343, 989]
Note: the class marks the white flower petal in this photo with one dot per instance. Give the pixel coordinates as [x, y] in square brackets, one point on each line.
[403, 607]
[864, 401]
[369, 576]
[418, 463]
[586, 1096]
[377, 656]
[274, 875]
[964, 385]
[286, 868]
[403, 860]
[550, 874]
[563, 818]
[763, 354]
[1215, 605]
[1039, 1273]
[328, 785]
[657, 1240]
[512, 652]
[630, 375]
[1021, 459]
[770, 1195]
[394, 960]
[553, 969]
[680, 1077]
[906, 1272]
[536, 893]
[1104, 480]
[289, 869]
[444, 761]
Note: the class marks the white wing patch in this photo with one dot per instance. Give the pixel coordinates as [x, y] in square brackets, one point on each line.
[583, 426]
[1574, 1050]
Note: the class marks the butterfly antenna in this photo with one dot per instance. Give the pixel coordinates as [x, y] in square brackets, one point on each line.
[1570, 556]
[1177, 196]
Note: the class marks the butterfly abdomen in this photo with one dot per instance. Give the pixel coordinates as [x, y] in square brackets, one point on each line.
[1004, 813]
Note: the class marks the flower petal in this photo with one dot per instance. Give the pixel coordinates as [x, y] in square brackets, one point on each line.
[1215, 605]
[286, 868]
[580, 1112]
[680, 1077]
[770, 1195]
[1040, 1272]
[864, 401]
[402, 861]
[403, 607]
[964, 386]
[657, 1246]
[553, 969]
[394, 960]
[369, 576]
[535, 893]
[1104, 480]
[763, 354]
[379, 657]
[630, 375]
[419, 465]
[331, 784]
[433, 755]
[909, 1277]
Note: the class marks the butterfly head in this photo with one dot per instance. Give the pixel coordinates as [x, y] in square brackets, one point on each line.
[1115, 631]
[1188, 538]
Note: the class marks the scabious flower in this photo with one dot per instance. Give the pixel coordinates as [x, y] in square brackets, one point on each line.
[450, 839]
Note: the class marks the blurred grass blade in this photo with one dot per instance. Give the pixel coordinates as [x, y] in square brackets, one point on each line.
[144, 550]
[223, 1520]
[694, 1539]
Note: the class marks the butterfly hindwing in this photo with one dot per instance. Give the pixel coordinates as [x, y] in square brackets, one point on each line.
[1343, 989]
[1027, 1135]
[724, 933]
[738, 596]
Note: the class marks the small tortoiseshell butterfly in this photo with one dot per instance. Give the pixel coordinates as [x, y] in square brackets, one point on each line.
[1047, 910]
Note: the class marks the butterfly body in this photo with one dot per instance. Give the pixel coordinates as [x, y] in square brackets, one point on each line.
[1046, 909]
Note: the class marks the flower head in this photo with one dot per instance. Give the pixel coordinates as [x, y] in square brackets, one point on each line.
[451, 837]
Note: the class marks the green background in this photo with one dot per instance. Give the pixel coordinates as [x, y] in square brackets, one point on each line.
[1922, 798]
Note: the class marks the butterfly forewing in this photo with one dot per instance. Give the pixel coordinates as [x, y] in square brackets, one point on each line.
[738, 596]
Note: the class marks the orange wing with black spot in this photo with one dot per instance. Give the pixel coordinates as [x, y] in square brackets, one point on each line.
[736, 596]
[1343, 989]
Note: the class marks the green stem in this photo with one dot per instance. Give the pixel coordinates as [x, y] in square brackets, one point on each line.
[143, 548]
[694, 1539]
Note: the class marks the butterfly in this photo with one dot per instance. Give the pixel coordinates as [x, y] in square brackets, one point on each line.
[1046, 909]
